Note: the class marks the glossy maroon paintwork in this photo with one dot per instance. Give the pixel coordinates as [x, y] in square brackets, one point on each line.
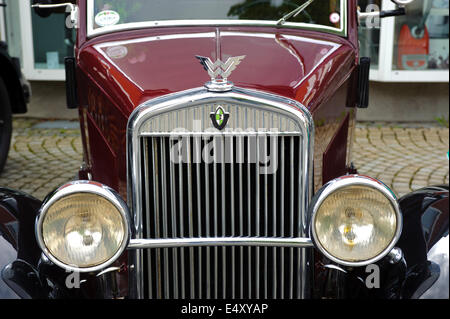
[313, 68]
[317, 69]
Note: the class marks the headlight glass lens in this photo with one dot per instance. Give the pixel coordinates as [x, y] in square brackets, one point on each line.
[83, 230]
[355, 223]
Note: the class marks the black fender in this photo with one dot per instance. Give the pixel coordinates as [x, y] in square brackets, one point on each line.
[18, 246]
[25, 272]
[18, 88]
[424, 242]
[423, 272]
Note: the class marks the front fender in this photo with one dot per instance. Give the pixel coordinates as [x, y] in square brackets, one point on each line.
[24, 271]
[18, 88]
[18, 212]
[424, 242]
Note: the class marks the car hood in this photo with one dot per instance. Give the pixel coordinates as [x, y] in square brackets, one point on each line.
[134, 67]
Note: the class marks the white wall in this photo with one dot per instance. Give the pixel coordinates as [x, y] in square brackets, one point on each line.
[406, 102]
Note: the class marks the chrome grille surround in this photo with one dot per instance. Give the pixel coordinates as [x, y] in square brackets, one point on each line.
[161, 116]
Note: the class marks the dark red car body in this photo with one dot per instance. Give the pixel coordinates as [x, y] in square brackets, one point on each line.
[320, 75]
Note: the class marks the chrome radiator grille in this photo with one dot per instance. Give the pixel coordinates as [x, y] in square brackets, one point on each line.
[195, 199]
[199, 182]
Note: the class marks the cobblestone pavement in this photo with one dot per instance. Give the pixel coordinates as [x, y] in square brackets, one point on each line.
[41, 159]
[405, 158]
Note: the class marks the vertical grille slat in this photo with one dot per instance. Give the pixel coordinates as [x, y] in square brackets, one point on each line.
[181, 212]
[147, 221]
[216, 220]
[208, 231]
[190, 218]
[249, 218]
[173, 206]
[274, 227]
[240, 160]
[300, 279]
[233, 225]
[197, 161]
[266, 220]
[282, 233]
[291, 214]
[201, 186]
[223, 200]
[156, 201]
[258, 219]
[164, 163]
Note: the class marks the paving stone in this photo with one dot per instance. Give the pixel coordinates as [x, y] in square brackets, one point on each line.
[40, 158]
[415, 155]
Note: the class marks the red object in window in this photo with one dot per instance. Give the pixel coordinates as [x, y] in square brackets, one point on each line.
[413, 48]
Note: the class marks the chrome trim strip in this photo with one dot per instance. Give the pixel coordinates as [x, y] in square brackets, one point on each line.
[91, 32]
[220, 242]
[190, 98]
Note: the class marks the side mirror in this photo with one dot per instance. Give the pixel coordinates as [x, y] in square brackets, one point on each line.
[44, 8]
[400, 11]
[402, 3]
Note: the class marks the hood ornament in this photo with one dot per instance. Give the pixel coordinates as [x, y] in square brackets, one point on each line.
[219, 72]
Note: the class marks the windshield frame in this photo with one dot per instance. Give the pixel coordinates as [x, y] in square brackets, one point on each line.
[91, 32]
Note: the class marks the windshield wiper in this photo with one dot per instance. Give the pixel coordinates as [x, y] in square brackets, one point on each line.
[294, 13]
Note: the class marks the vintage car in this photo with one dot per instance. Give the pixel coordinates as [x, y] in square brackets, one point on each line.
[196, 187]
[15, 93]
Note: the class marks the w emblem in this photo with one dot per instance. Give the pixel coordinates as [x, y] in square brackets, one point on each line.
[220, 70]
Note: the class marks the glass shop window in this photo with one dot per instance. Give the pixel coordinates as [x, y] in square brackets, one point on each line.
[421, 41]
[13, 30]
[52, 41]
[369, 32]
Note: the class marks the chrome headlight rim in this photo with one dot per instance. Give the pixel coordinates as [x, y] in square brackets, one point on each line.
[347, 181]
[84, 187]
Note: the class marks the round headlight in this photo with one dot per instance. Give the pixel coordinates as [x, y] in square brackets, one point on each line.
[83, 226]
[356, 220]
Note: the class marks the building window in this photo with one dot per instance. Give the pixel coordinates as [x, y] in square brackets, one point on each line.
[421, 39]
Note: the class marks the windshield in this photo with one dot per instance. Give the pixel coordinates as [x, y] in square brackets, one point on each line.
[111, 15]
